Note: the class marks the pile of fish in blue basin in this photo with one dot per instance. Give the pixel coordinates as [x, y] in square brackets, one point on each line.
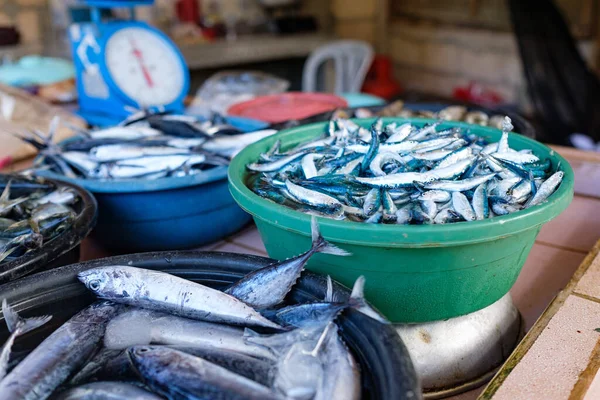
[160, 179]
[152, 335]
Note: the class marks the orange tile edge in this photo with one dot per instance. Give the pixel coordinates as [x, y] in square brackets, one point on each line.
[539, 327]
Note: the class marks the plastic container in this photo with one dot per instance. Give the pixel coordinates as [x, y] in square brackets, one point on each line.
[387, 371]
[279, 108]
[163, 214]
[415, 273]
[167, 213]
[61, 250]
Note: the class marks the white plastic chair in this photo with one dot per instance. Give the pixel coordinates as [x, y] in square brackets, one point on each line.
[352, 59]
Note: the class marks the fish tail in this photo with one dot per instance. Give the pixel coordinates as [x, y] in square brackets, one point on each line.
[358, 302]
[320, 245]
[15, 322]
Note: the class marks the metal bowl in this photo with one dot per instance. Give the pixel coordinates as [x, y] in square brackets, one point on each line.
[61, 250]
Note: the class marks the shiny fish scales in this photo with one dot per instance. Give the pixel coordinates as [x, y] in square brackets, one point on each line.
[429, 163]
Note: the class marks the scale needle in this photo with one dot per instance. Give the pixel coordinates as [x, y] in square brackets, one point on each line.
[140, 57]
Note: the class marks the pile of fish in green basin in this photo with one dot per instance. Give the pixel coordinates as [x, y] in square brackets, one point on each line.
[404, 174]
[145, 146]
[153, 335]
[32, 212]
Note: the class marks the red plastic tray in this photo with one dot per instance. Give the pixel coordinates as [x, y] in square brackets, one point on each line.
[287, 106]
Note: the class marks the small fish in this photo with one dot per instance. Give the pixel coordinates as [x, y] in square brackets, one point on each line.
[268, 286]
[312, 197]
[160, 291]
[107, 391]
[462, 206]
[480, 202]
[341, 375]
[209, 380]
[546, 189]
[53, 361]
[131, 328]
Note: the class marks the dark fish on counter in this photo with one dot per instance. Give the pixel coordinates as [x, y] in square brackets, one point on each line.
[59, 355]
[160, 291]
[268, 286]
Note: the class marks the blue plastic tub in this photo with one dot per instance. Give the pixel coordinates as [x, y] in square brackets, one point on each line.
[165, 214]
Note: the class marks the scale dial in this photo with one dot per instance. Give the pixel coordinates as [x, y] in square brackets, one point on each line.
[145, 66]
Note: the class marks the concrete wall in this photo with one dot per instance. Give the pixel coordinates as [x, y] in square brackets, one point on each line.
[436, 58]
[29, 16]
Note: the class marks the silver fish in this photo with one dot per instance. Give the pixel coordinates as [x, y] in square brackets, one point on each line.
[462, 206]
[160, 291]
[546, 189]
[458, 186]
[268, 286]
[143, 327]
[312, 197]
[54, 360]
[341, 376]
[192, 377]
[107, 391]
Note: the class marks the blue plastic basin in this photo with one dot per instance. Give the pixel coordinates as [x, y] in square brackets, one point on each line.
[163, 214]
[168, 213]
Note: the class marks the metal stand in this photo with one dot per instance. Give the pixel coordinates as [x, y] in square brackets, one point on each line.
[460, 354]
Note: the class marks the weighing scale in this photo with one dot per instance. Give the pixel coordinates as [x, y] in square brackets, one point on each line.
[125, 65]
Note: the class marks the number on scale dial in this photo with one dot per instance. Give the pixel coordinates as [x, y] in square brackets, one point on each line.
[144, 66]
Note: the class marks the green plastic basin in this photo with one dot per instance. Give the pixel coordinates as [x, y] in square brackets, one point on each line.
[414, 273]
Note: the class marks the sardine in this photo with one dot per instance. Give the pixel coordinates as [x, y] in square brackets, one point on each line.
[59, 355]
[160, 291]
[268, 286]
[191, 377]
[107, 391]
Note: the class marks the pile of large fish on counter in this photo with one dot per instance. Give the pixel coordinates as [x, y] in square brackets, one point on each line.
[156, 336]
[450, 113]
[32, 212]
[145, 146]
[404, 174]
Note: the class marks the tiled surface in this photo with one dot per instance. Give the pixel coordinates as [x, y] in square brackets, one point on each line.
[546, 272]
[593, 392]
[589, 284]
[552, 367]
[577, 228]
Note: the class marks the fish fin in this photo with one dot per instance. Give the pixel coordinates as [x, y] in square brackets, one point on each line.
[358, 302]
[11, 317]
[320, 245]
[248, 333]
[34, 323]
[322, 339]
[6, 192]
[329, 294]
[54, 123]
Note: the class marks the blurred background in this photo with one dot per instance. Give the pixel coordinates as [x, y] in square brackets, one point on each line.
[465, 51]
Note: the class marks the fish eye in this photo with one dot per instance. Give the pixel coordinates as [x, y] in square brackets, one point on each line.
[94, 285]
[143, 350]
